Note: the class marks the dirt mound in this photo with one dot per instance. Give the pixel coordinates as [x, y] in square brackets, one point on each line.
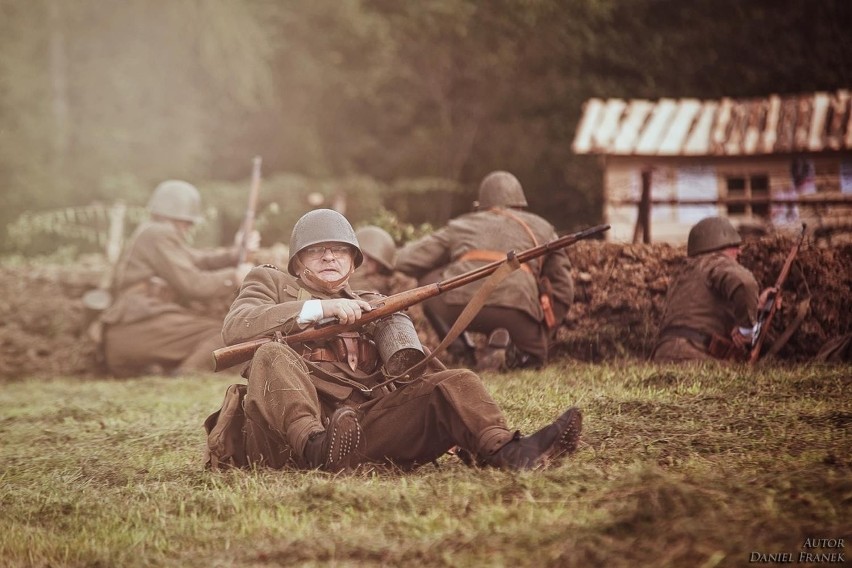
[620, 295]
[621, 292]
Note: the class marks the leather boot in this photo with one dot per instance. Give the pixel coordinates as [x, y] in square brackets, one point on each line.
[494, 355]
[545, 446]
[340, 446]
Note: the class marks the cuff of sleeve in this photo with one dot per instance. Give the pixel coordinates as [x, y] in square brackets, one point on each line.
[311, 311]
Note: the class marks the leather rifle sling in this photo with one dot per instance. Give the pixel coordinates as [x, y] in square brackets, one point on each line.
[510, 265]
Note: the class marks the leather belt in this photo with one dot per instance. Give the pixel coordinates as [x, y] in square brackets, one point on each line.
[320, 354]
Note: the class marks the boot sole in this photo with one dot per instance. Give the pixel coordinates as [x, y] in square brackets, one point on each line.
[568, 440]
[346, 441]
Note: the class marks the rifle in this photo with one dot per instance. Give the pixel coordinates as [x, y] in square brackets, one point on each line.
[328, 327]
[248, 220]
[767, 311]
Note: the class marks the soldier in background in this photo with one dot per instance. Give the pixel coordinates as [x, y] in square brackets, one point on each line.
[712, 303]
[523, 313]
[379, 251]
[151, 326]
[329, 404]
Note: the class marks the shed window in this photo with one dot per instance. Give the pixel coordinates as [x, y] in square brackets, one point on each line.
[748, 187]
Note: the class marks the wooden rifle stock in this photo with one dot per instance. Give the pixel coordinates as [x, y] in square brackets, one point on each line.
[242, 352]
[767, 311]
[248, 220]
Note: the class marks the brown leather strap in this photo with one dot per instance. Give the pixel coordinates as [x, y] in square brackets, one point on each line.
[320, 355]
[545, 291]
[490, 256]
[518, 220]
[510, 265]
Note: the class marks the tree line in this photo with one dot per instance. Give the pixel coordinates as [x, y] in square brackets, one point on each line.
[101, 100]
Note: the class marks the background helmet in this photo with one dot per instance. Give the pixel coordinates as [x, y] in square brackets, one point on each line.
[377, 244]
[175, 199]
[712, 233]
[321, 226]
[501, 189]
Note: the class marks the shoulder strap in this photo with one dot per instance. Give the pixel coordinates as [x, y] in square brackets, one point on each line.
[526, 227]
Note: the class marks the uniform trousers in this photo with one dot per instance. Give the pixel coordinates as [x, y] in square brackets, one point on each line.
[409, 426]
[181, 341]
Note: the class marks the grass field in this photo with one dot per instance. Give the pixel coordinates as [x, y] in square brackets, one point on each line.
[701, 467]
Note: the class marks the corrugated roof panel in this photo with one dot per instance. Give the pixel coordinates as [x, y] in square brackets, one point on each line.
[838, 110]
[733, 144]
[815, 135]
[656, 127]
[592, 110]
[698, 143]
[786, 125]
[770, 130]
[803, 122]
[848, 140]
[681, 123]
[754, 125]
[720, 130]
[774, 124]
[637, 112]
[608, 126]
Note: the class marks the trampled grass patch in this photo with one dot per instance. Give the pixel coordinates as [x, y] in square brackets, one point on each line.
[698, 466]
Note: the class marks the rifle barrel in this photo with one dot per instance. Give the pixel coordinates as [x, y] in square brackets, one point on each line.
[228, 356]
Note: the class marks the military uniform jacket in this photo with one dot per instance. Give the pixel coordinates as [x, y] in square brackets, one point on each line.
[157, 249]
[711, 294]
[271, 300]
[492, 231]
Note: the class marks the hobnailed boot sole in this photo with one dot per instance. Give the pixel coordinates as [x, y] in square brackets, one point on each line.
[568, 440]
[345, 440]
[547, 446]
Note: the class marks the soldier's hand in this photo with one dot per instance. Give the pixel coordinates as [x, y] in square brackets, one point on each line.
[344, 309]
[252, 241]
[764, 296]
[739, 339]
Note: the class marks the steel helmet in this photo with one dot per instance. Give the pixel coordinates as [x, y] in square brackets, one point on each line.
[501, 189]
[321, 226]
[712, 233]
[377, 244]
[176, 199]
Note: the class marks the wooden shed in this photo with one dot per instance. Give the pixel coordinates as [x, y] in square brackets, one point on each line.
[770, 163]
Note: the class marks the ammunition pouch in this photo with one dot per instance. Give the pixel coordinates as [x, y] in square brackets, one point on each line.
[545, 298]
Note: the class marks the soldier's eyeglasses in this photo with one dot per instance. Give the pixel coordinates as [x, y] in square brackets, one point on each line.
[317, 252]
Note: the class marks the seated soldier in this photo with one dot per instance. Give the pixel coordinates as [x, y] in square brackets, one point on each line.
[711, 305]
[151, 327]
[329, 404]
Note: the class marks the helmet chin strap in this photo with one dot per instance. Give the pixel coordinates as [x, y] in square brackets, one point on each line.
[329, 287]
